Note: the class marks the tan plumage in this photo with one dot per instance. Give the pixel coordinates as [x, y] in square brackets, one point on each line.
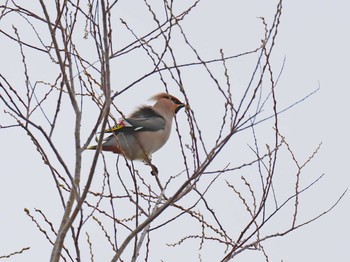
[145, 131]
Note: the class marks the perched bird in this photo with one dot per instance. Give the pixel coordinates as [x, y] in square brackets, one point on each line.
[145, 131]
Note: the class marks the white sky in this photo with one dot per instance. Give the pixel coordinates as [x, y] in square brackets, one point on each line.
[313, 37]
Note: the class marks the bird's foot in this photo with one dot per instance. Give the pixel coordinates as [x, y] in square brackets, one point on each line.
[154, 171]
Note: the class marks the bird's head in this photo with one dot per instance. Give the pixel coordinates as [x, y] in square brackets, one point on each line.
[174, 102]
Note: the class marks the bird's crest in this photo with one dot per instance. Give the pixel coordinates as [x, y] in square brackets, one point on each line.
[167, 96]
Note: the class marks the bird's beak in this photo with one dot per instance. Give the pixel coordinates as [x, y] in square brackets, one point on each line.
[178, 107]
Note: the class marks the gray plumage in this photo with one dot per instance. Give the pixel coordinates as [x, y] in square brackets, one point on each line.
[145, 131]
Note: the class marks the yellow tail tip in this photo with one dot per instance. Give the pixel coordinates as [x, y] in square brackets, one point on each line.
[91, 147]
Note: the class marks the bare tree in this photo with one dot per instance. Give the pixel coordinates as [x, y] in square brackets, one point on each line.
[78, 84]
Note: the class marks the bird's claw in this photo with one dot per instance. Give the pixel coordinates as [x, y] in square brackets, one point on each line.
[154, 171]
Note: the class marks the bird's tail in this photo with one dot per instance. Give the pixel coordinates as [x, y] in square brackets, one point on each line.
[92, 147]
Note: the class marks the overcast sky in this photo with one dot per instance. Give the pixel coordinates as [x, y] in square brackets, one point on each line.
[313, 40]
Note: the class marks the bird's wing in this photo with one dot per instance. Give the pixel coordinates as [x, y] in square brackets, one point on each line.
[144, 119]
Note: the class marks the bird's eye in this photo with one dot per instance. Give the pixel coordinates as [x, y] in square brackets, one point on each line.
[176, 101]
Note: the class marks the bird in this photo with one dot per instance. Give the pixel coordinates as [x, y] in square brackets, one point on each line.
[145, 131]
